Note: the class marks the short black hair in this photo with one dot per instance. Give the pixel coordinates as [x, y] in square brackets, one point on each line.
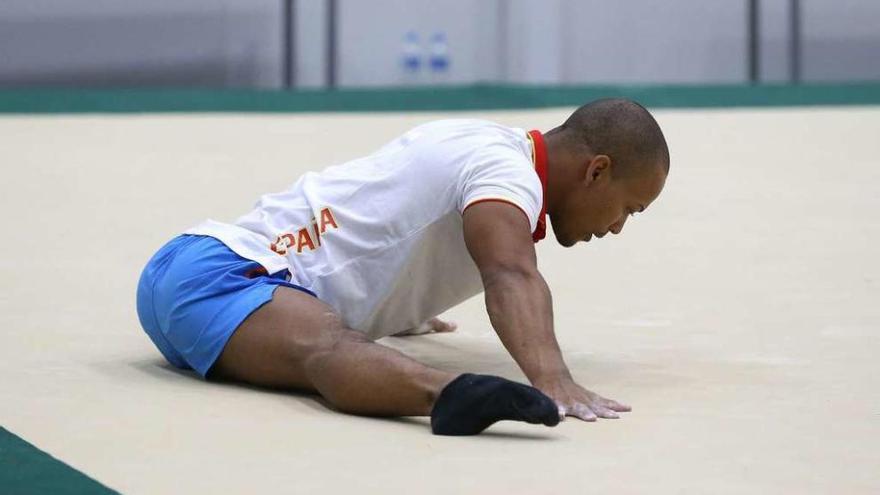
[621, 129]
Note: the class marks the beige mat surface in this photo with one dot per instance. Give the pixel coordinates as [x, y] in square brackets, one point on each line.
[739, 316]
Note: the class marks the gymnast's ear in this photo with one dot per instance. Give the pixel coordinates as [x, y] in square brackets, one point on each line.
[597, 170]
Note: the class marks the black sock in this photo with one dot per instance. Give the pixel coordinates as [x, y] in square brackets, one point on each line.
[471, 403]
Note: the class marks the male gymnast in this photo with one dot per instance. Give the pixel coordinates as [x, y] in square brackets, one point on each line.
[293, 294]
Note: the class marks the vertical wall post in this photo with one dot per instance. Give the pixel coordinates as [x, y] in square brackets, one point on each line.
[288, 11]
[754, 41]
[332, 24]
[794, 43]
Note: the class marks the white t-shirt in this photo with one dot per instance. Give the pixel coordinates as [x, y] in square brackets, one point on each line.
[380, 238]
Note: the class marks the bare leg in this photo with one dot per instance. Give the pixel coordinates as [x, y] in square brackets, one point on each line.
[297, 342]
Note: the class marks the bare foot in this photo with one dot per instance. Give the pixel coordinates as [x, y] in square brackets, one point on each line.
[434, 325]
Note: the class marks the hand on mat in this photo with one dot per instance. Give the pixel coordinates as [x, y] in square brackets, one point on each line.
[434, 325]
[574, 400]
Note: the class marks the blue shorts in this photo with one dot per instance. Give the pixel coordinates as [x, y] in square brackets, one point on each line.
[195, 292]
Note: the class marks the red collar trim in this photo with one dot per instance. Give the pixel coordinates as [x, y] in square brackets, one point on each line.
[539, 158]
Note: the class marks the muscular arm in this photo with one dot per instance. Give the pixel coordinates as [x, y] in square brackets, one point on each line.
[517, 297]
[520, 306]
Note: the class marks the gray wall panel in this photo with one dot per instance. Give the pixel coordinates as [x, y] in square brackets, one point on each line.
[535, 51]
[227, 43]
[841, 40]
[649, 40]
[371, 40]
[310, 45]
[166, 43]
[774, 40]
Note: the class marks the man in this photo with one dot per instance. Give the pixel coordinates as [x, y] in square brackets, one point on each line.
[293, 294]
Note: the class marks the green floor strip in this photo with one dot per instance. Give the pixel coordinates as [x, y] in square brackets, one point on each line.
[478, 97]
[26, 470]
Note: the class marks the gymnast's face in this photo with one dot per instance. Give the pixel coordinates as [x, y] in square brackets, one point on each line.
[599, 203]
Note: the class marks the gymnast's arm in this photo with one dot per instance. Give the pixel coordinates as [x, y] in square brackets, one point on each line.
[520, 306]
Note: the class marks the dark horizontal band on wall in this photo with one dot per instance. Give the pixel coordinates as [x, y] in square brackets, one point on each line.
[478, 97]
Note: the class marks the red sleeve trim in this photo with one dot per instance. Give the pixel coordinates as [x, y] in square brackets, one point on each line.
[499, 200]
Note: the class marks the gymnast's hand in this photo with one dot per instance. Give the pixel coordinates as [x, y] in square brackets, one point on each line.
[574, 400]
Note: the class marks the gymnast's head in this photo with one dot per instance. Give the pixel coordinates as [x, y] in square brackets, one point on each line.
[608, 161]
